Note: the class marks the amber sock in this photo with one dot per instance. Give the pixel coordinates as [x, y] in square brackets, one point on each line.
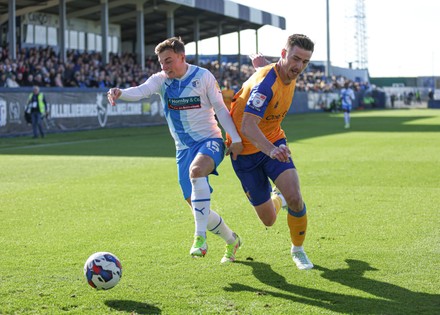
[297, 222]
[276, 202]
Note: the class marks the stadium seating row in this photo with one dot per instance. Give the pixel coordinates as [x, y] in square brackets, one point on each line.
[41, 66]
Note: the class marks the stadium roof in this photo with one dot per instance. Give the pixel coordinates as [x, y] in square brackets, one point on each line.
[231, 15]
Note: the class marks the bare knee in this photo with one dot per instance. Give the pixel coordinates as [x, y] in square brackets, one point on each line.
[295, 203]
[269, 221]
[266, 214]
[202, 166]
[195, 171]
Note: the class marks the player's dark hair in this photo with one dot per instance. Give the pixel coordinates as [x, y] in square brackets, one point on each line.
[300, 40]
[174, 43]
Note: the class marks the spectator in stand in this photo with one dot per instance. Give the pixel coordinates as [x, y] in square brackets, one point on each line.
[68, 75]
[58, 81]
[30, 80]
[82, 82]
[31, 61]
[2, 79]
[11, 82]
[38, 80]
[75, 81]
[20, 79]
[52, 74]
[101, 80]
[13, 69]
[118, 83]
[130, 82]
[46, 79]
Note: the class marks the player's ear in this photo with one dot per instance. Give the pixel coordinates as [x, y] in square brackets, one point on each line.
[283, 53]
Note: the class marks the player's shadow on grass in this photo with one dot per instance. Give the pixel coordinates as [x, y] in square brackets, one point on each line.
[388, 298]
[133, 307]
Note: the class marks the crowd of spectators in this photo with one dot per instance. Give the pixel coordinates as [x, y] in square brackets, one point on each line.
[43, 67]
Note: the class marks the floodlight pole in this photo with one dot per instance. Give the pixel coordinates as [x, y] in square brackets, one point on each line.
[328, 71]
[62, 30]
[12, 30]
[104, 31]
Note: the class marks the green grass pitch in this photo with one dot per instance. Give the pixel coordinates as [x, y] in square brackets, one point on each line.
[373, 199]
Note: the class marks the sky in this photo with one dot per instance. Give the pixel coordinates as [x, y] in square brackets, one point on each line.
[401, 35]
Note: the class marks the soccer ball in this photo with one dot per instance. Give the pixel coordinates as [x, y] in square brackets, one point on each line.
[103, 270]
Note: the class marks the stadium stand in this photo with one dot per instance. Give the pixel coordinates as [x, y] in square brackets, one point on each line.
[42, 66]
[89, 59]
[90, 56]
[122, 25]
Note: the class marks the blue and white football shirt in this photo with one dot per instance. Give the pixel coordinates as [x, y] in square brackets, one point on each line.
[189, 104]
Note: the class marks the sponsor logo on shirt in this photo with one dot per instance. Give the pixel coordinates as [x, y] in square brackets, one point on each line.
[184, 103]
[257, 100]
[276, 117]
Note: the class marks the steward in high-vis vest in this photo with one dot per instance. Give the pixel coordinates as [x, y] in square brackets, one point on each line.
[36, 107]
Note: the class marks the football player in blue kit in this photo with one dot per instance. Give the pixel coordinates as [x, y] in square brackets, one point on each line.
[191, 98]
[347, 98]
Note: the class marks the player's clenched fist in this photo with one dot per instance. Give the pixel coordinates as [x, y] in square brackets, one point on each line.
[113, 94]
[281, 153]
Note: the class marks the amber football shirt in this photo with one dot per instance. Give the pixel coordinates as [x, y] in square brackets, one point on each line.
[266, 96]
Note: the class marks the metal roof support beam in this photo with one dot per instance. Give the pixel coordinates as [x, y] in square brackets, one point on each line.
[62, 30]
[12, 31]
[239, 48]
[2, 31]
[256, 42]
[140, 35]
[328, 70]
[170, 22]
[104, 31]
[197, 38]
[219, 53]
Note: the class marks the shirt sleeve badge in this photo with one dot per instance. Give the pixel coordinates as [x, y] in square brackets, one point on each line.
[257, 99]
